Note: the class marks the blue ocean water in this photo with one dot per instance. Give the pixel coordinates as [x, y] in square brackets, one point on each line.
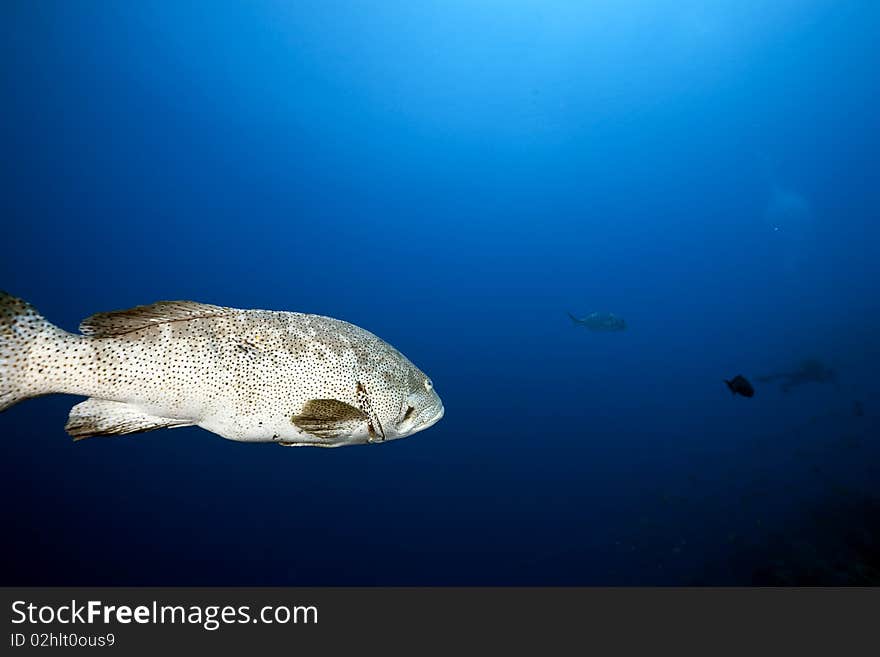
[456, 177]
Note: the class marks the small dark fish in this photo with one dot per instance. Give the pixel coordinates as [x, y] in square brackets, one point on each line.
[740, 386]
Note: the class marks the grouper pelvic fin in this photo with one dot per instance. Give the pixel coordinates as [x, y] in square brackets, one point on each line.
[120, 322]
[99, 417]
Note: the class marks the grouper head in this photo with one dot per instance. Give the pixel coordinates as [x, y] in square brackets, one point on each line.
[420, 408]
[372, 392]
[390, 398]
[401, 397]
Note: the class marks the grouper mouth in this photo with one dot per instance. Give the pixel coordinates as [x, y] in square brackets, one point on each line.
[434, 420]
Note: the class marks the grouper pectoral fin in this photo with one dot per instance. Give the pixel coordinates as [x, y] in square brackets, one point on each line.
[99, 417]
[328, 418]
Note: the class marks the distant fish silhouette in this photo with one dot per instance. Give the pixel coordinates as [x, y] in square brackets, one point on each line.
[808, 371]
[600, 321]
[858, 409]
[739, 385]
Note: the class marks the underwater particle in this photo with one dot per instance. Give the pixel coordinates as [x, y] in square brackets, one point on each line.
[791, 218]
[739, 385]
[599, 322]
[247, 375]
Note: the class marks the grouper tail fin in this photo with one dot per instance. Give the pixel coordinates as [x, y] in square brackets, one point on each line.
[730, 385]
[20, 328]
[574, 319]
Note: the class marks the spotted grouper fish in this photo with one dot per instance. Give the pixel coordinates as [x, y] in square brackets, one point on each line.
[247, 375]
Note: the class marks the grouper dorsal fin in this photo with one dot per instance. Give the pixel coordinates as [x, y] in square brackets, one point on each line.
[328, 418]
[120, 322]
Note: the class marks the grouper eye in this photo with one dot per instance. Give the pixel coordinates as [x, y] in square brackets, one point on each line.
[428, 385]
